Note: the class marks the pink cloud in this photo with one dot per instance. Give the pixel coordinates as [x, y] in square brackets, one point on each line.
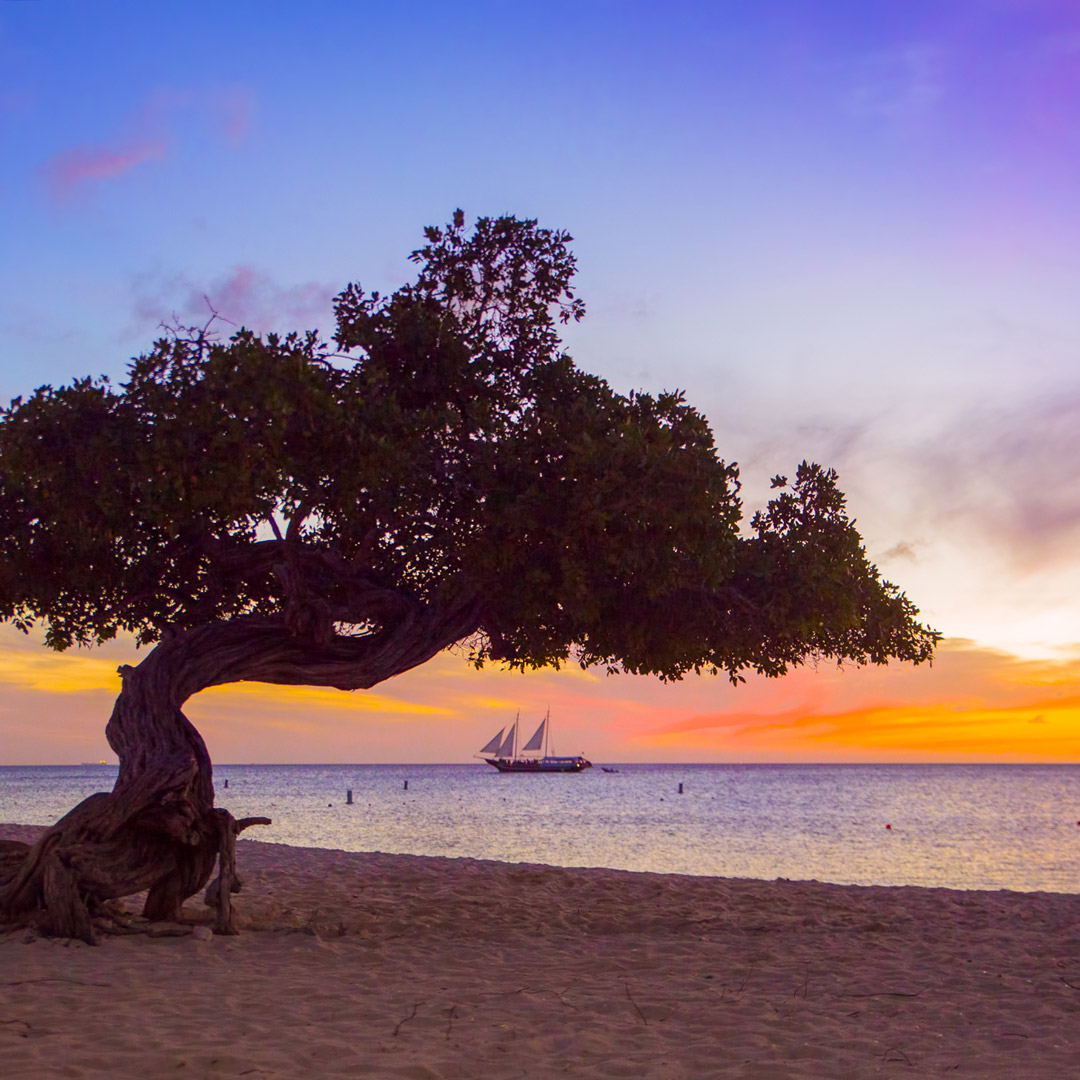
[253, 298]
[237, 297]
[81, 165]
[227, 112]
[245, 297]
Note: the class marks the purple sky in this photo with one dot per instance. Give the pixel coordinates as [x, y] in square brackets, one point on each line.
[850, 231]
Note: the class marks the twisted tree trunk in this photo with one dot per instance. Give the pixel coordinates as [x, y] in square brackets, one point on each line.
[158, 829]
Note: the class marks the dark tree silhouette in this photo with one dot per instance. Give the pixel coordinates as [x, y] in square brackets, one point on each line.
[290, 511]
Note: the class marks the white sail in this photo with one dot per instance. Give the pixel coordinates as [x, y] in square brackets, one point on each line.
[493, 746]
[507, 748]
[537, 741]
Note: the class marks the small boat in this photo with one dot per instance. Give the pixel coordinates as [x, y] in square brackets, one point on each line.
[533, 757]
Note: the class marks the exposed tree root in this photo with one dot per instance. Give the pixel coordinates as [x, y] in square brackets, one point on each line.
[67, 883]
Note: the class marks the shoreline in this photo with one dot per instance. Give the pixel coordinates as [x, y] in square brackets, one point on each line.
[434, 967]
[29, 833]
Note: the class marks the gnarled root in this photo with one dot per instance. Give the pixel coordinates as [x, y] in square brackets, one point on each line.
[101, 851]
[12, 854]
[228, 881]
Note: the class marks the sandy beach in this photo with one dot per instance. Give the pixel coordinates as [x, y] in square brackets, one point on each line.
[371, 965]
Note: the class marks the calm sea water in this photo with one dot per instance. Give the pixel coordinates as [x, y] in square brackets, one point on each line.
[959, 826]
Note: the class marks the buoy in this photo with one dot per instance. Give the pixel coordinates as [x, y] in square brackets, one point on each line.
[888, 826]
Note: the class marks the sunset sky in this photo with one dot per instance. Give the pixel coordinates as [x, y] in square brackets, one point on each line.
[849, 231]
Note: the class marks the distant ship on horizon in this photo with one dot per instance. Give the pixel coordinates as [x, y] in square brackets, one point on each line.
[533, 757]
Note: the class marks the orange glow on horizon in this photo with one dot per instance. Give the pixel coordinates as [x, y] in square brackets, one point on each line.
[973, 704]
[886, 732]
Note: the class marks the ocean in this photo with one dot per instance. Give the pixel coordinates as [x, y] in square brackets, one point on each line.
[956, 826]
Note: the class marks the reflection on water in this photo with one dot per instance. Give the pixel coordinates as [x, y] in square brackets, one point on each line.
[959, 826]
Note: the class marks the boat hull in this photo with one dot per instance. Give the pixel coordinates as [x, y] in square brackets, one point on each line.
[540, 765]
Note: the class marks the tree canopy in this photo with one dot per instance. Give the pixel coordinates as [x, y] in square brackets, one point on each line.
[442, 446]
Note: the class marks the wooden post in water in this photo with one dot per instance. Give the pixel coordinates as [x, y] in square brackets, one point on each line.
[348, 796]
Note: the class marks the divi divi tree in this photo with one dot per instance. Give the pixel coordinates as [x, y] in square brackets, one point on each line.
[287, 510]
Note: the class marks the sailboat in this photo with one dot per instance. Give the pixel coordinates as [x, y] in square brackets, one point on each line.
[503, 752]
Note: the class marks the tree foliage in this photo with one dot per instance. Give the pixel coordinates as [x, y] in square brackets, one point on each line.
[442, 446]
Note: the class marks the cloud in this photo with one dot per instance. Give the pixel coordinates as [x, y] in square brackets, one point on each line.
[973, 508]
[892, 731]
[57, 673]
[81, 166]
[296, 698]
[148, 135]
[901, 550]
[245, 296]
[974, 704]
[1008, 477]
